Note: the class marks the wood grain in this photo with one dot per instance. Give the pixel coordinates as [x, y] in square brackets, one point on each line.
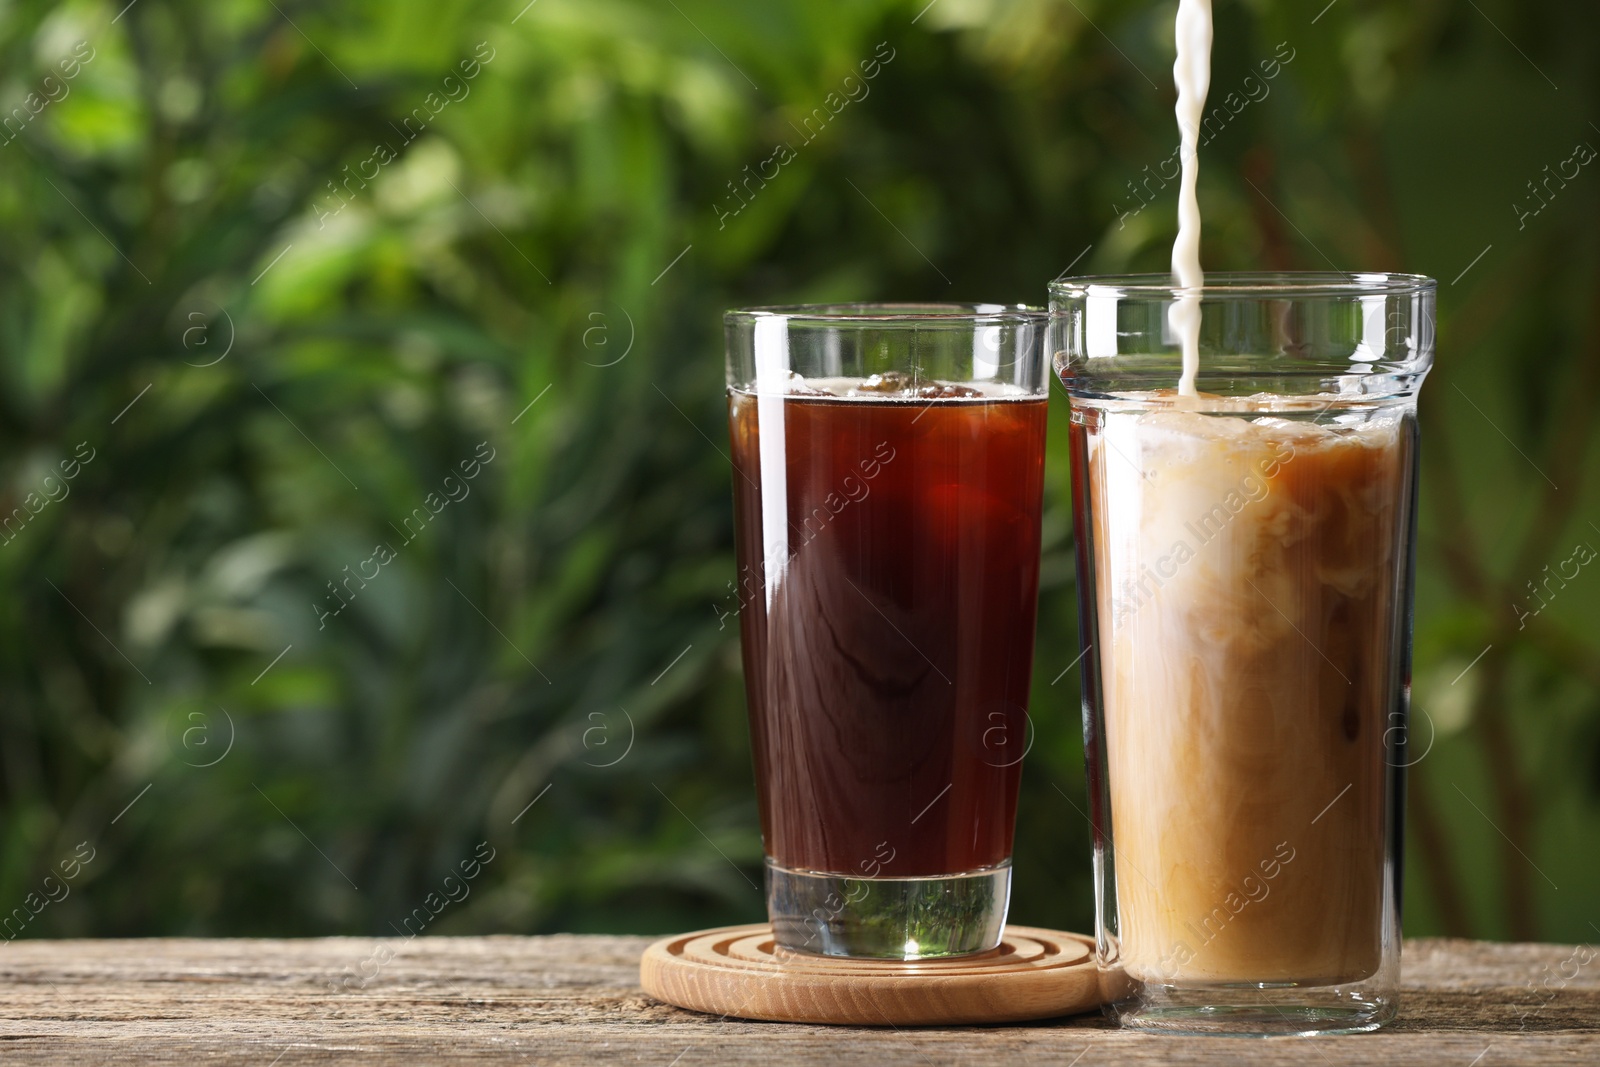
[577, 1000]
[737, 971]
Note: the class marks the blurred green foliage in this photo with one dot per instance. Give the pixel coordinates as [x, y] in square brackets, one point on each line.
[283, 268]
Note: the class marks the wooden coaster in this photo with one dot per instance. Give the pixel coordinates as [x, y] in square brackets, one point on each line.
[738, 971]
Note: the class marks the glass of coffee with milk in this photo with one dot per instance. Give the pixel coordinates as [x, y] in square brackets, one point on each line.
[1244, 451]
[1244, 476]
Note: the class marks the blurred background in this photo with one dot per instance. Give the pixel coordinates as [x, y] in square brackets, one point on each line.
[364, 505]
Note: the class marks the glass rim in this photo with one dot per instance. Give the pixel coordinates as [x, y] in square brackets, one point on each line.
[1246, 285]
[866, 313]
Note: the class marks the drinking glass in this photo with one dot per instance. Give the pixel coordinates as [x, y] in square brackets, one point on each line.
[888, 473]
[1245, 560]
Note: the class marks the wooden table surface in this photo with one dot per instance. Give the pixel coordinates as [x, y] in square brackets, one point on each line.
[571, 999]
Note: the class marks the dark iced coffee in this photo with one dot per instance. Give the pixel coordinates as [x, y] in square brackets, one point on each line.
[889, 655]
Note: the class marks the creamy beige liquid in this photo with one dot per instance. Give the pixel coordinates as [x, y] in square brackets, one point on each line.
[1248, 613]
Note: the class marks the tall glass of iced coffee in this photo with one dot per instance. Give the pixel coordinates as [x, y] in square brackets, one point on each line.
[888, 473]
[1245, 557]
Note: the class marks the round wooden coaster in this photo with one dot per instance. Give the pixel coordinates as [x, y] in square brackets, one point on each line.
[739, 971]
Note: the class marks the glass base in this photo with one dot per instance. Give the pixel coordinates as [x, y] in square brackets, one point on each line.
[888, 918]
[1252, 1010]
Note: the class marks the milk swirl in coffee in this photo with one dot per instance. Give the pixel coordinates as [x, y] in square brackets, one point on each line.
[1249, 618]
